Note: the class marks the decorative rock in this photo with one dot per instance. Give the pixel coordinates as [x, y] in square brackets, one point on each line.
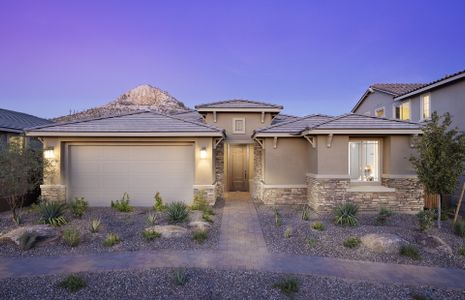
[199, 225]
[45, 233]
[168, 231]
[383, 242]
[434, 244]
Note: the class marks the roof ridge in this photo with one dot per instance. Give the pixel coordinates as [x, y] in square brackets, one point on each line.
[291, 121]
[233, 100]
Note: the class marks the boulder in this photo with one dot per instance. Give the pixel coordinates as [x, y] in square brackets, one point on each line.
[200, 225]
[382, 242]
[433, 244]
[45, 233]
[168, 231]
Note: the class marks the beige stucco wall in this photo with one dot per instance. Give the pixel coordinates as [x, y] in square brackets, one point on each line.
[374, 101]
[333, 160]
[396, 153]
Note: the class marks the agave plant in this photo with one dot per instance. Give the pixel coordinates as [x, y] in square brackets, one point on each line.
[95, 225]
[27, 240]
[151, 219]
[346, 214]
[52, 213]
[177, 212]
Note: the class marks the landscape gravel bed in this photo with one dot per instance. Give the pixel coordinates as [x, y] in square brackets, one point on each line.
[210, 284]
[128, 226]
[329, 243]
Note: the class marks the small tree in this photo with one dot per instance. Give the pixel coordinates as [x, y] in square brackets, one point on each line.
[21, 172]
[440, 157]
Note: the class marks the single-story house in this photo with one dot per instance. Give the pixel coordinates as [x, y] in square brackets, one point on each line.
[235, 145]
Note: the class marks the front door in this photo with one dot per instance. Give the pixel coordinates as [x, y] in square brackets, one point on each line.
[238, 168]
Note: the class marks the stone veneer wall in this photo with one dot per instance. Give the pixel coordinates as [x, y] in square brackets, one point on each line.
[257, 188]
[53, 192]
[219, 170]
[210, 193]
[284, 195]
[324, 194]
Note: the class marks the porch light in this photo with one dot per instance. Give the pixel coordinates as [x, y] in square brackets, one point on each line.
[49, 153]
[203, 152]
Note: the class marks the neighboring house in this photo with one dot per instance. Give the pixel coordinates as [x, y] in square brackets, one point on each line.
[13, 124]
[235, 145]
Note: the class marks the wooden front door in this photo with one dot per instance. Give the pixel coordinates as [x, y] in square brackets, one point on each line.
[239, 181]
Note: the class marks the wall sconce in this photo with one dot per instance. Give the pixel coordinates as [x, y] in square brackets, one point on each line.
[49, 153]
[203, 152]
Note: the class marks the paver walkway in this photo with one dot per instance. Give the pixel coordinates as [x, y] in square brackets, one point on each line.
[248, 253]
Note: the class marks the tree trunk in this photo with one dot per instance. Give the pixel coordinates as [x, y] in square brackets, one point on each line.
[439, 211]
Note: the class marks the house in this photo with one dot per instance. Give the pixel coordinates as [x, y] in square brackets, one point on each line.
[235, 145]
[13, 124]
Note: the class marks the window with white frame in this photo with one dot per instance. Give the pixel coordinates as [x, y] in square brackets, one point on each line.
[425, 107]
[402, 112]
[364, 160]
[379, 112]
[239, 125]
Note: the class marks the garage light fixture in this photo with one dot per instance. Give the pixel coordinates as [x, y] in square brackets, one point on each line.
[49, 153]
[203, 152]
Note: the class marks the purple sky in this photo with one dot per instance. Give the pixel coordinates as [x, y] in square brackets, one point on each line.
[310, 56]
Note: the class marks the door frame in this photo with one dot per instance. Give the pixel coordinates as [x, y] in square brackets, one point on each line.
[229, 166]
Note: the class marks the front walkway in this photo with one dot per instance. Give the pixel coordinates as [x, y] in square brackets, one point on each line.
[247, 253]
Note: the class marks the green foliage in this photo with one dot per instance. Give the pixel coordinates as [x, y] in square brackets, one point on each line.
[352, 242]
[111, 240]
[180, 277]
[177, 212]
[152, 219]
[71, 237]
[18, 220]
[318, 226]
[158, 204]
[305, 214]
[383, 216]
[207, 216]
[277, 218]
[52, 213]
[288, 232]
[445, 213]
[426, 219]
[410, 251]
[200, 236]
[288, 286]
[311, 242]
[200, 201]
[79, 206]
[27, 240]
[95, 225]
[73, 283]
[462, 250]
[122, 205]
[346, 214]
[150, 235]
[459, 228]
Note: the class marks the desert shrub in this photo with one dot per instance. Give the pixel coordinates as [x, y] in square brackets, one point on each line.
[27, 240]
[288, 232]
[71, 237]
[111, 240]
[346, 214]
[151, 219]
[180, 277]
[426, 219]
[73, 283]
[200, 236]
[122, 205]
[95, 225]
[288, 286]
[318, 226]
[79, 206]
[311, 242]
[150, 235]
[445, 213]
[462, 250]
[52, 213]
[207, 216]
[383, 216]
[177, 212]
[459, 228]
[158, 204]
[200, 201]
[277, 218]
[305, 214]
[410, 251]
[352, 242]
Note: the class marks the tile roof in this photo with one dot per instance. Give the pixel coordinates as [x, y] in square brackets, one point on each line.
[283, 118]
[191, 115]
[238, 103]
[295, 126]
[139, 121]
[397, 88]
[13, 121]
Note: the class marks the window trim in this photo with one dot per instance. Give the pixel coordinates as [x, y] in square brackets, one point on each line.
[234, 126]
[422, 106]
[400, 111]
[384, 111]
[380, 160]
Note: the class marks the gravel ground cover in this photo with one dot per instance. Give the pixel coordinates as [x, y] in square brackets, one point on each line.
[128, 226]
[329, 242]
[210, 284]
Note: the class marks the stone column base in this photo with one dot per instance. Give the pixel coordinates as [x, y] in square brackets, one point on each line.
[209, 192]
[53, 192]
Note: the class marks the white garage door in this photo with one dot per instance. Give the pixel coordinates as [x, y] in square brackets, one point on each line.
[103, 173]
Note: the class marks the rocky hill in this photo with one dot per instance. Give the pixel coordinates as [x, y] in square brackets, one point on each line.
[141, 97]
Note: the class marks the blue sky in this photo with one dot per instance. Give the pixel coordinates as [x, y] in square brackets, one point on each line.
[310, 56]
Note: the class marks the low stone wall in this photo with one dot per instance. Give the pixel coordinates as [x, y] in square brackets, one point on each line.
[209, 191]
[53, 192]
[284, 195]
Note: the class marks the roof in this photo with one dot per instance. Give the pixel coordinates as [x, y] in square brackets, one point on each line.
[295, 126]
[144, 123]
[238, 104]
[13, 121]
[191, 115]
[396, 89]
[279, 118]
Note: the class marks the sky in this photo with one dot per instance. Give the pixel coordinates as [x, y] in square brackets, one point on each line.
[310, 56]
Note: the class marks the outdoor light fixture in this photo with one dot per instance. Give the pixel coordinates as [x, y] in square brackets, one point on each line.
[49, 153]
[203, 152]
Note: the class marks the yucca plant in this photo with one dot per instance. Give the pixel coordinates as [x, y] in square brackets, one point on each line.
[95, 225]
[346, 214]
[122, 205]
[79, 206]
[52, 213]
[177, 212]
[111, 240]
[27, 240]
[158, 204]
[71, 237]
[151, 219]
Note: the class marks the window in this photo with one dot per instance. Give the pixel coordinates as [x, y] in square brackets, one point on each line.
[364, 160]
[238, 125]
[402, 112]
[425, 107]
[379, 112]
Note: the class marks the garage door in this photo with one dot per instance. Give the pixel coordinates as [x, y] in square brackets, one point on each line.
[103, 173]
